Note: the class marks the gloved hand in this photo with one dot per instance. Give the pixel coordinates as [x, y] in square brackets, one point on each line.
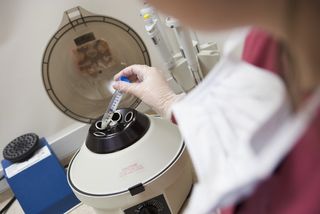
[148, 84]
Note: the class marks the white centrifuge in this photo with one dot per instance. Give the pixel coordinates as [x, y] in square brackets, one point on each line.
[139, 164]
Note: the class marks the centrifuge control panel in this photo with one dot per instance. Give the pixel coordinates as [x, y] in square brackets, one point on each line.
[156, 205]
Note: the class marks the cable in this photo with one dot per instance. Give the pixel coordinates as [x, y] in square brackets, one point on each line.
[2, 177]
[8, 205]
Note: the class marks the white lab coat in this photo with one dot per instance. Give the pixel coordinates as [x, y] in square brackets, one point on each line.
[237, 125]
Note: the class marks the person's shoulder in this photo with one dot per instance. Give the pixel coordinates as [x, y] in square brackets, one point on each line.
[263, 50]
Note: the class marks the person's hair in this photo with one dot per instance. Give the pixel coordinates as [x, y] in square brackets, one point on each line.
[301, 63]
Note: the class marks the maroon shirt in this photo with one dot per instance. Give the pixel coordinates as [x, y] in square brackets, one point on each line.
[294, 187]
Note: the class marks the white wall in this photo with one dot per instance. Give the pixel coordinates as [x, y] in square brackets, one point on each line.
[26, 27]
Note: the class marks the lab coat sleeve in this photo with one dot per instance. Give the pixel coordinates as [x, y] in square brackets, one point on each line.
[217, 121]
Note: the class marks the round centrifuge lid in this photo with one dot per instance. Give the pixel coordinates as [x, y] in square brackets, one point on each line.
[81, 59]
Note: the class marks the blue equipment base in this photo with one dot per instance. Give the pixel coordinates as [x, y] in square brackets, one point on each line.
[43, 186]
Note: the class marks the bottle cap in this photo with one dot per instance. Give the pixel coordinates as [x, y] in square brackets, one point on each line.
[124, 79]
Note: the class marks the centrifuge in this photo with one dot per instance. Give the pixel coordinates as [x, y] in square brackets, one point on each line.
[139, 163]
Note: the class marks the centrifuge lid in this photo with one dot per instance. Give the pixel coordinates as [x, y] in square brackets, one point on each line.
[81, 59]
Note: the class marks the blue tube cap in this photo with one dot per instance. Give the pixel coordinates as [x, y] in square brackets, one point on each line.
[124, 79]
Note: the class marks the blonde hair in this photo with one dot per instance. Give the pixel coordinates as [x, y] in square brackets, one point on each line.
[300, 61]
